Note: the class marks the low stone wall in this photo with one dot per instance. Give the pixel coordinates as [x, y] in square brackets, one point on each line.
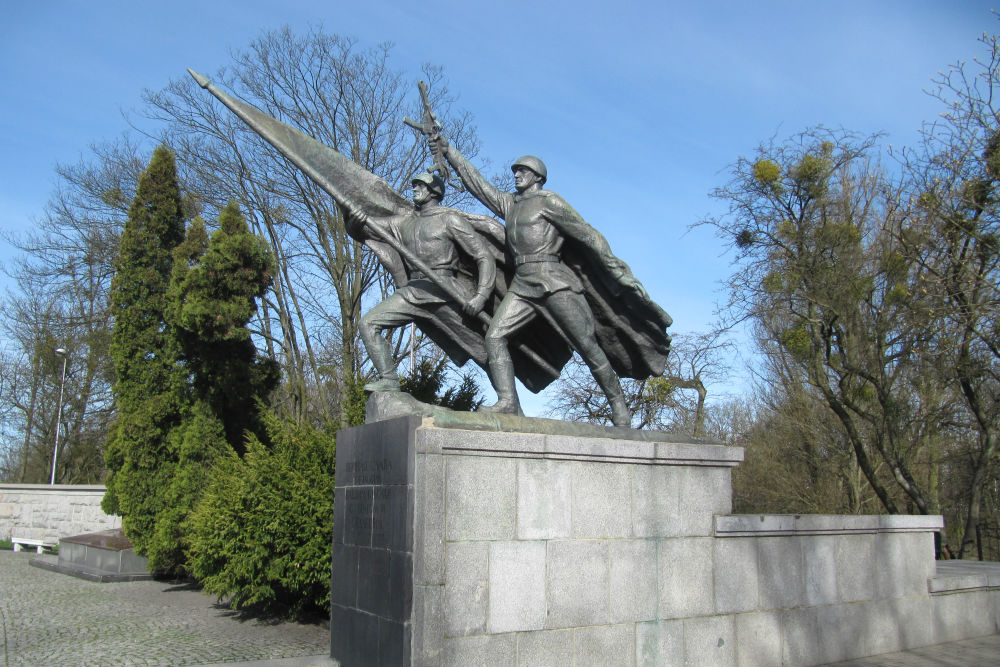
[49, 512]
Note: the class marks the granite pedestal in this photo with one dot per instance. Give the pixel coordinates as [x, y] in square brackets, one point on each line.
[504, 542]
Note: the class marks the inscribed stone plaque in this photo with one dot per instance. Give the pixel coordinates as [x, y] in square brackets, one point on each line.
[371, 590]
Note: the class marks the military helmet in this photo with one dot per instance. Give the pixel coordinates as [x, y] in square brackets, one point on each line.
[532, 163]
[433, 182]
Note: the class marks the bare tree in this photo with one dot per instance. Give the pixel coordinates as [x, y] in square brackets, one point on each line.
[675, 401]
[63, 275]
[954, 237]
[350, 99]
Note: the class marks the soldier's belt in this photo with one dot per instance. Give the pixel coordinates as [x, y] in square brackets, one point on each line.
[420, 275]
[535, 259]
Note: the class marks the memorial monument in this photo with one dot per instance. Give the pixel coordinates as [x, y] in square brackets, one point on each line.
[488, 538]
[562, 290]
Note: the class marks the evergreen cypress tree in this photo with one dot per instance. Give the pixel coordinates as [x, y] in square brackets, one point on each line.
[150, 383]
[212, 297]
[190, 380]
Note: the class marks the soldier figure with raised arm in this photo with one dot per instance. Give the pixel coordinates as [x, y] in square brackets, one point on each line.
[539, 225]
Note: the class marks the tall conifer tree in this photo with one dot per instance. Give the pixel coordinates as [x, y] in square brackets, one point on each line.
[211, 299]
[150, 382]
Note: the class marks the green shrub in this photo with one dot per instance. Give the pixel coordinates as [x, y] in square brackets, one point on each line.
[260, 535]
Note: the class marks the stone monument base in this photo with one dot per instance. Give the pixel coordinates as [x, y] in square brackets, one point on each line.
[496, 540]
[105, 556]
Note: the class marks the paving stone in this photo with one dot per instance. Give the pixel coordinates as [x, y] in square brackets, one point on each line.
[54, 620]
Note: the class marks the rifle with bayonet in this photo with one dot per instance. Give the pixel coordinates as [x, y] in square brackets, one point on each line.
[430, 127]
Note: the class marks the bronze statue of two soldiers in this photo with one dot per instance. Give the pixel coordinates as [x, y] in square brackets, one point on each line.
[516, 299]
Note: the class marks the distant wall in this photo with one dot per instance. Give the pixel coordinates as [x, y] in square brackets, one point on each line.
[42, 511]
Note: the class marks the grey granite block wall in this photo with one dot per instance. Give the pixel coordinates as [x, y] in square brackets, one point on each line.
[534, 549]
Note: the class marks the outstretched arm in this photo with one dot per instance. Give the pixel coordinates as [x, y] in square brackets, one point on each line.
[494, 199]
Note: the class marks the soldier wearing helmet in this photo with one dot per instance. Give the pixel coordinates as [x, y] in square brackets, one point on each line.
[539, 223]
[435, 235]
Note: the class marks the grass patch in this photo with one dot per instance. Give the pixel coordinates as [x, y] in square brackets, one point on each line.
[5, 544]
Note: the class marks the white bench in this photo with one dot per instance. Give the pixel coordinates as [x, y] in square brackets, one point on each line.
[40, 545]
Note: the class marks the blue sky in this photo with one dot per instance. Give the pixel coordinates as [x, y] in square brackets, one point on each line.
[637, 110]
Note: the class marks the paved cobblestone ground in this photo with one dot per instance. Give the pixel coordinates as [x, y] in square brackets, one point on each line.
[54, 620]
[978, 652]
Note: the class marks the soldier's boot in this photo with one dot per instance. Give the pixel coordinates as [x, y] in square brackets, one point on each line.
[388, 379]
[501, 372]
[612, 388]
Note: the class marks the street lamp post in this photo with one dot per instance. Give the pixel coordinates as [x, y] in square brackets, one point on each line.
[55, 447]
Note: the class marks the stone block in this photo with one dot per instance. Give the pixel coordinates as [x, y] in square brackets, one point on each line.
[914, 619]
[819, 563]
[883, 628]
[481, 651]
[654, 501]
[632, 580]
[605, 645]
[344, 576]
[599, 448]
[800, 638]
[376, 593]
[758, 639]
[904, 563]
[545, 648]
[659, 644]
[428, 624]
[466, 588]
[735, 575]
[480, 498]
[429, 514]
[856, 567]
[480, 443]
[6, 510]
[354, 636]
[577, 586]
[703, 493]
[358, 503]
[601, 500]
[843, 631]
[781, 583]
[685, 577]
[962, 615]
[543, 493]
[516, 587]
[710, 641]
